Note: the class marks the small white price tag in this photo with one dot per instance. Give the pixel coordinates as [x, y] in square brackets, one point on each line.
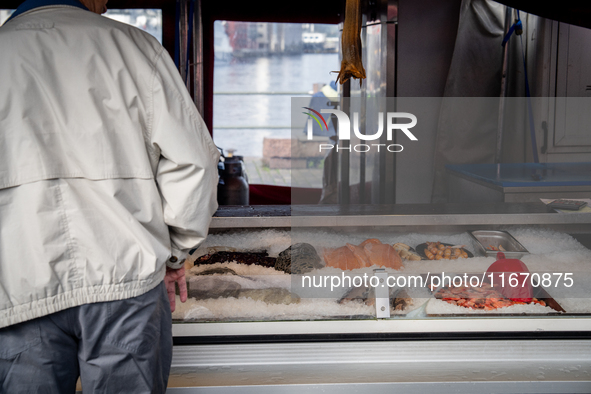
[382, 294]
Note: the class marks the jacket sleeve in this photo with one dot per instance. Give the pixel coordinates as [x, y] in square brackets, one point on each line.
[186, 169]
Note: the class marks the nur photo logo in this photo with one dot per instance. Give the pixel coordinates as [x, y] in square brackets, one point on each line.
[315, 117]
[344, 130]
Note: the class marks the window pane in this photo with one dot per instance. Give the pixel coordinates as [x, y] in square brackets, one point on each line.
[258, 68]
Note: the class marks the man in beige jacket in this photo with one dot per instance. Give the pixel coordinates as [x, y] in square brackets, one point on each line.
[107, 179]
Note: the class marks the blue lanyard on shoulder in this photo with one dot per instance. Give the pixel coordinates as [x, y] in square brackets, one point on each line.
[32, 4]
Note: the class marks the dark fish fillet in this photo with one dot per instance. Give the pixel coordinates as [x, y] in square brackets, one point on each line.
[256, 258]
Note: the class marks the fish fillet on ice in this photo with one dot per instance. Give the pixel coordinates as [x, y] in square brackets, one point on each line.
[383, 255]
[370, 241]
[360, 256]
[367, 253]
[341, 258]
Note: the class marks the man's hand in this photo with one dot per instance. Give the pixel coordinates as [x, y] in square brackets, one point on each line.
[172, 277]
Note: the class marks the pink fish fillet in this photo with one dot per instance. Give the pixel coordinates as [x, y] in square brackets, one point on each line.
[359, 253]
[383, 255]
[370, 241]
[341, 258]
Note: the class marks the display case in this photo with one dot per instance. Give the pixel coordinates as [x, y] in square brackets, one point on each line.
[246, 338]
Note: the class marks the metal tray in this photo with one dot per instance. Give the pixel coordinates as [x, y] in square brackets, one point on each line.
[484, 238]
[420, 249]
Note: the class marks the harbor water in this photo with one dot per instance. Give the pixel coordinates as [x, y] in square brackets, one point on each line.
[252, 96]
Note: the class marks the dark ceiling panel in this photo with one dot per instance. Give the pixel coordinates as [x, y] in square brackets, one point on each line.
[304, 11]
[574, 12]
[296, 11]
[11, 4]
[310, 11]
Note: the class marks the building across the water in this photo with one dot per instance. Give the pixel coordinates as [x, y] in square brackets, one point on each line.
[262, 38]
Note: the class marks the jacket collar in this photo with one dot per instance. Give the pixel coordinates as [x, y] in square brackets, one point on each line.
[31, 4]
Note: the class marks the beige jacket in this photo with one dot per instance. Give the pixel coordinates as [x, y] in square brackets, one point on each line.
[106, 167]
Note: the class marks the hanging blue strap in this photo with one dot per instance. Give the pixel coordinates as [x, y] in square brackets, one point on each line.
[177, 35]
[517, 27]
[189, 37]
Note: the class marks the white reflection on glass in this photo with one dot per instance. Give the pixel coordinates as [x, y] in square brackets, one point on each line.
[4, 15]
[149, 20]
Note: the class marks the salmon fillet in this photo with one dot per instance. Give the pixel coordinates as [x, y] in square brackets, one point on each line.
[367, 253]
[370, 241]
[383, 255]
[360, 256]
[341, 258]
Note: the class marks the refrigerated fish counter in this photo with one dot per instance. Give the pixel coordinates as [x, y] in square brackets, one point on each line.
[401, 297]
